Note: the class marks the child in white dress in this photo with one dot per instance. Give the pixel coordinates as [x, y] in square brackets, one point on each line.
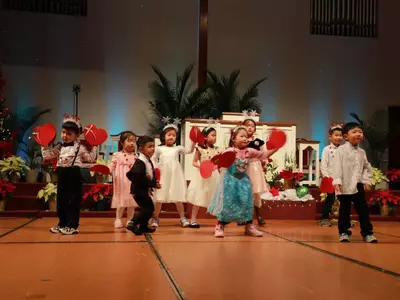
[172, 181]
[201, 190]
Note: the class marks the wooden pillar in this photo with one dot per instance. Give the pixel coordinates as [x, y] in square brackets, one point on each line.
[202, 43]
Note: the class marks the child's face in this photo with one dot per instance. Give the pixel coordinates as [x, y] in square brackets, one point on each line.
[336, 137]
[129, 144]
[148, 149]
[68, 136]
[251, 129]
[170, 138]
[354, 136]
[241, 139]
[211, 138]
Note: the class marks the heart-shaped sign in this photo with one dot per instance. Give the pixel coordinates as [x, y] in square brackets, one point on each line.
[276, 140]
[157, 174]
[44, 135]
[95, 136]
[102, 169]
[206, 168]
[196, 136]
[225, 159]
[327, 185]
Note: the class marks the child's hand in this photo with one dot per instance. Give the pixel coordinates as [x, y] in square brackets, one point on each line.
[367, 187]
[158, 185]
[338, 188]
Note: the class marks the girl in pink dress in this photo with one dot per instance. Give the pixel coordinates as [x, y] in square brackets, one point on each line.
[255, 170]
[121, 163]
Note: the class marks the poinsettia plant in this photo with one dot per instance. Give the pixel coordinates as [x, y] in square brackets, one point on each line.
[378, 176]
[393, 175]
[384, 197]
[6, 189]
[49, 165]
[98, 192]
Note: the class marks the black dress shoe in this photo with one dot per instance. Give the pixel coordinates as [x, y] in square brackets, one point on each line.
[132, 227]
[147, 229]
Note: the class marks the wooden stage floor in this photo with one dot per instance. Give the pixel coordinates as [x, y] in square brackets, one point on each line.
[294, 260]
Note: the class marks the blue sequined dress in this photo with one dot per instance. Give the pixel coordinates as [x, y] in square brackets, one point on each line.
[233, 199]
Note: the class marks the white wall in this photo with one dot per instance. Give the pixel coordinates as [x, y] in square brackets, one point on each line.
[313, 80]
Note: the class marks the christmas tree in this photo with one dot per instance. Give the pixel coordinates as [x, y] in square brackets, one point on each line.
[6, 134]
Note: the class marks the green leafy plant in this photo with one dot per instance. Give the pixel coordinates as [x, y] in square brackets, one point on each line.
[177, 101]
[225, 96]
[48, 192]
[33, 155]
[376, 131]
[378, 176]
[13, 165]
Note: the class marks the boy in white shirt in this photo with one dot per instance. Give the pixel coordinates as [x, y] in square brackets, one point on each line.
[328, 155]
[352, 176]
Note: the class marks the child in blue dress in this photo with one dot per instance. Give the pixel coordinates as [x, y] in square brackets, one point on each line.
[233, 199]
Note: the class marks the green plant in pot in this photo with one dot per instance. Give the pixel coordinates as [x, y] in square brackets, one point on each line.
[33, 159]
[49, 194]
[378, 178]
[13, 168]
[6, 190]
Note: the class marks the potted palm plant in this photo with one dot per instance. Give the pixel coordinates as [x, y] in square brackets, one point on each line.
[33, 159]
[178, 100]
[13, 168]
[225, 96]
[49, 194]
[6, 190]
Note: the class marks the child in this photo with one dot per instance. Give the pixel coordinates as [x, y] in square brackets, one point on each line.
[143, 182]
[200, 190]
[328, 154]
[70, 156]
[121, 163]
[352, 176]
[233, 199]
[173, 182]
[255, 171]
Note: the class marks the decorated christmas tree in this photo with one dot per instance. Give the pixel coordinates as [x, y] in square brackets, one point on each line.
[6, 134]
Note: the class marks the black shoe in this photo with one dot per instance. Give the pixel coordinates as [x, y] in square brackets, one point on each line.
[260, 218]
[147, 229]
[132, 227]
[194, 225]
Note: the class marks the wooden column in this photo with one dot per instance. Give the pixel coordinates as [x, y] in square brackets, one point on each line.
[202, 43]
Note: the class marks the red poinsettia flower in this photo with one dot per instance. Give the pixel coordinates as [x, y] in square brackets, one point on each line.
[287, 174]
[274, 191]
[393, 174]
[298, 176]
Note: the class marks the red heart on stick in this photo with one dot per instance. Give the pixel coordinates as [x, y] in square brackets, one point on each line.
[157, 174]
[225, 159]
[44, 135]
[327, 185]
[194, 133]
[206, 168]
[102, 169]
[95, 136]
[277, 139]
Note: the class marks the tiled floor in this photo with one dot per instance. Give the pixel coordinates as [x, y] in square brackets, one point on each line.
[294, 260]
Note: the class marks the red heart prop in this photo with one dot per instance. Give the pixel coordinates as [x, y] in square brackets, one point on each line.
[277, 139]
[206, 168]
[327, 185]
[103, 169]
[44, 135]
[194, 132]
[95, 136]
[225, 159]
[157, 174]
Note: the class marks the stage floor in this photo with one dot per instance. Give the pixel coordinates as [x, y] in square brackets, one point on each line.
[294, 260]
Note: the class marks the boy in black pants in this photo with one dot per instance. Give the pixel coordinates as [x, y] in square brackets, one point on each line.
[70, 154]
[352, 176]
[143, 181]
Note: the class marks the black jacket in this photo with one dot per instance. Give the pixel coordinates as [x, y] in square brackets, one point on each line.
[140, 183]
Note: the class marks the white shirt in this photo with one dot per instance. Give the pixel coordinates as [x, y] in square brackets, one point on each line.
[65, 155]
[328, 154]
[149, 167]
[350, 167]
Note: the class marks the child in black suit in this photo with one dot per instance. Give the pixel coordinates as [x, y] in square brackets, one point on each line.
[143, 181]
